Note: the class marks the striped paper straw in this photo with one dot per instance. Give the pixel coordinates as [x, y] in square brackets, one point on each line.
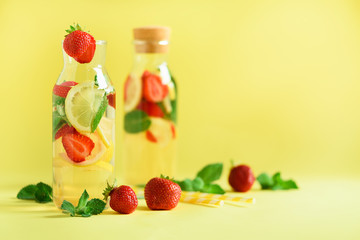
[208, 201]
[218, 197]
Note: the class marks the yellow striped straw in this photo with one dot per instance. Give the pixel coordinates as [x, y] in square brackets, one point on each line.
[218, 197]
[194, 200]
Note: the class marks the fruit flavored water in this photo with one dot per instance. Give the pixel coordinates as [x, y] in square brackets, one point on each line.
[150, 99]
[83, 128]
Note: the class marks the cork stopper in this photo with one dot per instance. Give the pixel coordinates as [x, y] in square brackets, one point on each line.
[151, 39]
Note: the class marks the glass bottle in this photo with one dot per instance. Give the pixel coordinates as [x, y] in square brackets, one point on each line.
[150, 98]
[83, 113]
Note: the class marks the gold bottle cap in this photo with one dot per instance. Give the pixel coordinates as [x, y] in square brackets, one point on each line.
[151, 39]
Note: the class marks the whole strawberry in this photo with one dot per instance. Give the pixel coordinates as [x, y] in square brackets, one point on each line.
[241, 178]
[122, 199]
[162, 194]
[79, 44]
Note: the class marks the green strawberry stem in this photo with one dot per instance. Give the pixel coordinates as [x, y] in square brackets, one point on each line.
[166, 177]
[232, 163]
[108, 190]
[73, 28]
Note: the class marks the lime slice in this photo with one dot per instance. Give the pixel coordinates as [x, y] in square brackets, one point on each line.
[82, 106]
[132, 92]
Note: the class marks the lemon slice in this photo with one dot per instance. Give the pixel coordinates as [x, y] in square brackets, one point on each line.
[82, 104]
[161, 130]
[132, 93]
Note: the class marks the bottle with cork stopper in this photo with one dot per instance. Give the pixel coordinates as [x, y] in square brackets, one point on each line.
[150, 102]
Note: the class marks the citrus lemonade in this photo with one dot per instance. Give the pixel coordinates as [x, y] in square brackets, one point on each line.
[83, 129]
[149, 147]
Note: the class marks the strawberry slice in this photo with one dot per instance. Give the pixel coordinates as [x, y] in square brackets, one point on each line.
[112, 99]
[150, 137]
[69, 83]
[152, 109]
[153, 89]
[63, 89]
[64, 130]
[165, 91]
[173, 131]
[77, 146]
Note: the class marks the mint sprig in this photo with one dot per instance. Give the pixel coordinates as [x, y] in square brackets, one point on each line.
[203, 182]
[41, 193]
[58, 116]
[275, 182]
[85, 208]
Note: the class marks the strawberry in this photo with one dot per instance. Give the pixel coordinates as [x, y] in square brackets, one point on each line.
[151, 108]
[122, 199]
[241, 178]
[77, 146]
[63, 89]
[162, 194]
[64, 130]
[153, 89]
[112, 99]
[79, 44]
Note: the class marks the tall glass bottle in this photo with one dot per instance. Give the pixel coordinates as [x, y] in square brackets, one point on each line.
[83, 128]
[150, 96]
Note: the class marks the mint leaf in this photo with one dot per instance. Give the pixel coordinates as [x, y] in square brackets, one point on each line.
[68, 208]
[95, 206]
[43, 194]
[172, 115]
[58, 122]
[27, 193]
[186, 185]
[58, 116]
[275, 182]
[136, 121]
[57, 100]
[84, 208]
[210, 172]
[203, 180]
[198, 184]
[265, 181]
[99, 113]
[212, 188]
[96, 81]
[82, 201]
[40, 192]
[280, 184]
[44, 187]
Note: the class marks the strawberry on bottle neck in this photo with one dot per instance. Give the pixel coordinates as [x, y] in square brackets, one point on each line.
[79, 44]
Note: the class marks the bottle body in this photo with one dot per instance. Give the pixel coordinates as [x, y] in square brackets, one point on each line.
[150, 132]
[83, 129]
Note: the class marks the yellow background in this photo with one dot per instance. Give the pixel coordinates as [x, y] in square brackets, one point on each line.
[274, 84]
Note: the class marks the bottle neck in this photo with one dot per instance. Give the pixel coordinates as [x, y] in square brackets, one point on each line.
[150, 54]
[150, 60]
